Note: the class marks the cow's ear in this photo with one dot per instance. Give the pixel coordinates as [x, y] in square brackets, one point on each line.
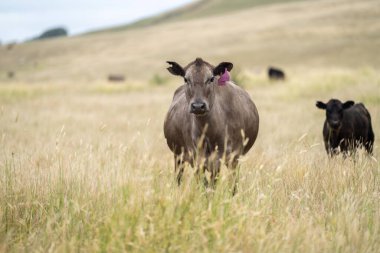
[348, 104]
[219, 70]
[320, 105]
[176, 69]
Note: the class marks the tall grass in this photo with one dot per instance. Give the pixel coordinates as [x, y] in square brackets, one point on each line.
[90, 172]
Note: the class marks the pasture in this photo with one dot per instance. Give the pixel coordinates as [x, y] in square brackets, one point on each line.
[84, 165]
[86, 168]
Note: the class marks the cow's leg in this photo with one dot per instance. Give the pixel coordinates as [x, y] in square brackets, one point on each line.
[333, 151]
[201, 163]
[328, 148]
[348, 148]
[234, 174]
[345, 152]
[367, 144]
[370, 140]
[214, 169]
[200, 172]
[178, 167]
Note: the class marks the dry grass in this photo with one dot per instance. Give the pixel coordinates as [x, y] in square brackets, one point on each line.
[86, 168]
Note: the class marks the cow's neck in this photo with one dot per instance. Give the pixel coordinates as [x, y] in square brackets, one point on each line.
[201, 129]
[200, 124]
[334, 137]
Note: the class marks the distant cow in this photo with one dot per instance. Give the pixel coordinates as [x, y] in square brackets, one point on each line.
[116, 78]
[347, 126]
[10, 46]
[10, 74]
[210, 117]
[276, 74]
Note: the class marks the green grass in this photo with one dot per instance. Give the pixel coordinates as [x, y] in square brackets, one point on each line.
[158, 80]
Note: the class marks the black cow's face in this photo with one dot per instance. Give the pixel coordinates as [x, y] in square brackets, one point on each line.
[200, 81]
[334, 111]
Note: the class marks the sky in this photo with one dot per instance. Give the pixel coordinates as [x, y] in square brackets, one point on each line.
[25, 19]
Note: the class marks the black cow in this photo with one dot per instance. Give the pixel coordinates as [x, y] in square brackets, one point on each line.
[116, 78]
[276, 74]
[347, 126]
[10, 74]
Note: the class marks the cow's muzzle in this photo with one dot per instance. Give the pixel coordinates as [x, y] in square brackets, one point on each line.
[335, 124]
[198, 108]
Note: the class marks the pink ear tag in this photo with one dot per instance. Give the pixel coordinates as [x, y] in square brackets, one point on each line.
[225, 77]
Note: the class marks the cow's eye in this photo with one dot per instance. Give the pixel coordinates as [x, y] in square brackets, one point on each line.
[211, 80]
[185, 79]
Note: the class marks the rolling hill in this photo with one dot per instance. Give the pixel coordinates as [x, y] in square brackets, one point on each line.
[197, 9]
[296, 35]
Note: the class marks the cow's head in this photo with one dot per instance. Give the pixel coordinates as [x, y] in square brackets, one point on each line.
[334, 111]
[200, 81]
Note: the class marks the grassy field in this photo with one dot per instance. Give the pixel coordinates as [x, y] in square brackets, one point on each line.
[84, 165]
[87, 169]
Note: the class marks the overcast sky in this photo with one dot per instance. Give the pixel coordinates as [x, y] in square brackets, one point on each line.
[24, 19]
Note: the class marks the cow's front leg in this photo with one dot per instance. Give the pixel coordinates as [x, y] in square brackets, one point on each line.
[214, 168]
[201, 175]
[179, 167]
[332, 151]
[234, 174]
[201, 164]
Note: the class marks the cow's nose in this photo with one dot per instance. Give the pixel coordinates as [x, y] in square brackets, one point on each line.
[198, 107]
[335, 123]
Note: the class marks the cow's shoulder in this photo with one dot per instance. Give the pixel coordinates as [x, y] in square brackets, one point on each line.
[358, 110]
[235, 101]
[175, 114]
[179, 91]
[237, 94]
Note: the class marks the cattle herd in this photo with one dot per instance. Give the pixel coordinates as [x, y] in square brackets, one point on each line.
[211, 119]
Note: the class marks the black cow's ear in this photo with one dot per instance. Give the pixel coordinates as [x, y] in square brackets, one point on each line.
[219, 70]
[320, 105]
[176, 69]
[348, 104]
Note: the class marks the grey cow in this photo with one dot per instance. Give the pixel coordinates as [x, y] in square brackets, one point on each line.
[210, 117]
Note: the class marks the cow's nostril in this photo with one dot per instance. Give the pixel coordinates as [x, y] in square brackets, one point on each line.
[197, 107]
[334, 123]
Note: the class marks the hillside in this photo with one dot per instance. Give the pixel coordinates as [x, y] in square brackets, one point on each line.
[197, 9]
[298, 35]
